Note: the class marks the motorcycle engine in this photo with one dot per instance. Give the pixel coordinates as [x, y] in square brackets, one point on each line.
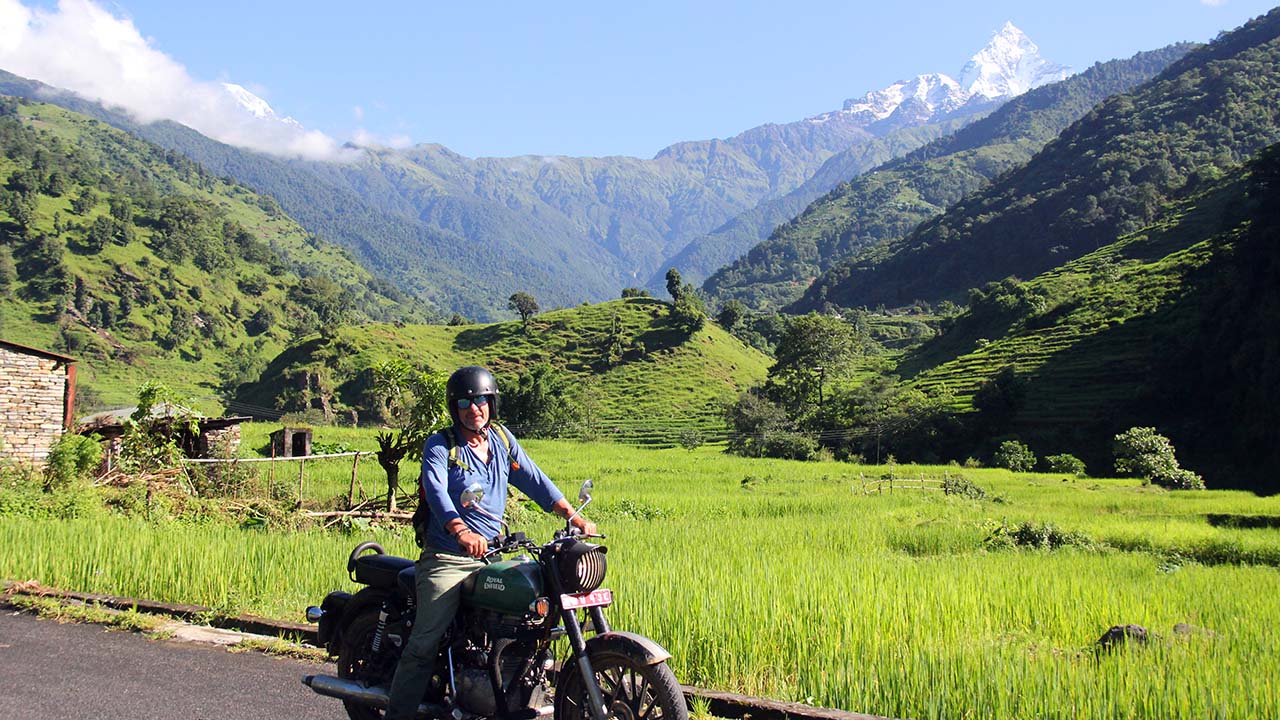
[521, 662]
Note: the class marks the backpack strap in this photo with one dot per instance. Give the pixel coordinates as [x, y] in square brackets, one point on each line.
[502, 433]
[451, 442]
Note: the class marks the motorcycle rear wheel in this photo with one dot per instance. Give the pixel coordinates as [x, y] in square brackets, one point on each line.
[356, 661]
[631, 690]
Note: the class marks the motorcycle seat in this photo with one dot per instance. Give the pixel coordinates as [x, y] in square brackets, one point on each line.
[407, 581]
[380, 570]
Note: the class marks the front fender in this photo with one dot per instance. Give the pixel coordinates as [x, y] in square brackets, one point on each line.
[625, 643]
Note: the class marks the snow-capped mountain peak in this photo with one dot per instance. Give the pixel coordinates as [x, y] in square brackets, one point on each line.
[254, 105]
[1009, 65]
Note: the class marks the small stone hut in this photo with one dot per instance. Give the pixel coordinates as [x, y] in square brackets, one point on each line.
[291, 442]
[37, 395]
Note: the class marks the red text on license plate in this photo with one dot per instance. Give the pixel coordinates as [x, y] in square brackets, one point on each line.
[603, 596]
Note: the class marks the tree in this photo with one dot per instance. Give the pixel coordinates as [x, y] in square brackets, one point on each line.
[523, 304]
[8, 272]
[689, 312]
[1015, 456]
[731, 314]
[812, 349]
[538, 403]
[327, 299]
[674, 284]
[1143, 452]
[413, 401]
[634, 292]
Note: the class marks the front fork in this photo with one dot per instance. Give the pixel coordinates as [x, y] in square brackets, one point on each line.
[579, 644]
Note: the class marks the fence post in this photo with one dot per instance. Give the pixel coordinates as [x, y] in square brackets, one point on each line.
[301, 466]
[351, 496]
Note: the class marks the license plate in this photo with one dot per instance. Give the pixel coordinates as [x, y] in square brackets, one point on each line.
[602, 596]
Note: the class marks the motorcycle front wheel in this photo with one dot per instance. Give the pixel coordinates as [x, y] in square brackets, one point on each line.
[357, 661]
[631, 690]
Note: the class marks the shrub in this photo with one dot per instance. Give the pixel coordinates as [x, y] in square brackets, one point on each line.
[1064, 463]
[1145, 453]
[690, 440]
[71, 459]
[790, 446]
[1015, 456]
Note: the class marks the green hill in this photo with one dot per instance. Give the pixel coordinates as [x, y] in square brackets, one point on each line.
[144, 266]
[1172, 326]
[1108, 174]
[662, 377]
[887, 203]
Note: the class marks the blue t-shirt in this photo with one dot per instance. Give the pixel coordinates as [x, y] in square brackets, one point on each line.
[442, 485]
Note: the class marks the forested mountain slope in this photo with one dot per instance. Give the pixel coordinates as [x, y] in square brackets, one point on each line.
[706, 254]
[1173, 326]
[1106, 175]
[143, 265]
[886, 204]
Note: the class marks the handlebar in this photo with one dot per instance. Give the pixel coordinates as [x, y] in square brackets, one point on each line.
[519, 541]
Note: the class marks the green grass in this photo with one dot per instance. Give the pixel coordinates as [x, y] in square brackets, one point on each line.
[665, 377]
[798, 586]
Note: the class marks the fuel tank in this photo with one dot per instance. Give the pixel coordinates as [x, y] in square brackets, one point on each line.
[506, 587]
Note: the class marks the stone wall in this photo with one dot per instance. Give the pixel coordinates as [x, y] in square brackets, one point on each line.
[32, 393]
[222, 442]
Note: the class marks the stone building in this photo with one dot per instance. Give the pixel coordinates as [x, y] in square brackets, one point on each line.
[37, 394]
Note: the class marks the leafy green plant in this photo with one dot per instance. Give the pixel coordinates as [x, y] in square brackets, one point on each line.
[1143, 452]
[71, 459]
[1064, 463]
[1015, 456]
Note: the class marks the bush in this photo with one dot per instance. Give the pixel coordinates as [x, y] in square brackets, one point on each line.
[1066, 464]
[790, 446]
[70, 460]
[1145, 453]
[690, 440]
[1014, 456]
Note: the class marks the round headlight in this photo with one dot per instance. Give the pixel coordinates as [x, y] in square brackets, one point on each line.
[581, 566]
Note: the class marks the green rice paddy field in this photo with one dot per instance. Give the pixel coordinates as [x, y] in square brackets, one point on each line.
[786, 580]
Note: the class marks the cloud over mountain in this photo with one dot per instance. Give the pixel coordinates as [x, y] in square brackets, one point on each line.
[82, 47]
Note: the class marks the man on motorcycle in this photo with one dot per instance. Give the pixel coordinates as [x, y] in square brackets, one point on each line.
[472, 451]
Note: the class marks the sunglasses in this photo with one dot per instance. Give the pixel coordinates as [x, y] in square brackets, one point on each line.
[479, 401]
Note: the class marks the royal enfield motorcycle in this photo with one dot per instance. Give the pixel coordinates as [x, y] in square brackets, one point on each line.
[500, 658]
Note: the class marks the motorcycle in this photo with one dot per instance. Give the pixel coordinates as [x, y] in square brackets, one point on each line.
[497, 659]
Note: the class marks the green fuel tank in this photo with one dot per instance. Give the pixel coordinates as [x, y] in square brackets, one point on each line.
[509, 586]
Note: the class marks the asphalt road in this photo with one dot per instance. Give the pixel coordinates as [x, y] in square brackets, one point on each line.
[52, 670]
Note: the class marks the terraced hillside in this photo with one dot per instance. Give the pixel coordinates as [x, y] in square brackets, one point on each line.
[661, 379]
[1103, 343]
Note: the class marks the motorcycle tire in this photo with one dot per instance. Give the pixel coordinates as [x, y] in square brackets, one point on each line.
[356, 661]
[631, 690]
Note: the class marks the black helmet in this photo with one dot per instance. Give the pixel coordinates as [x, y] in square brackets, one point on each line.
[470, 382]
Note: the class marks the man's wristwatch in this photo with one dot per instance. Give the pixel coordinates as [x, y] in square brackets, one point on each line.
[458, 535]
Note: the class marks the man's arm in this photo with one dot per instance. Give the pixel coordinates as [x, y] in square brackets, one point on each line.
[564, 510]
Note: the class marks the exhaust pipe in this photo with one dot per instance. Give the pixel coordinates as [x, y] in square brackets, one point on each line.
[333, 687]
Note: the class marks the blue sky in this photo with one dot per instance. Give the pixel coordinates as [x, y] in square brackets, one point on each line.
[580, 78]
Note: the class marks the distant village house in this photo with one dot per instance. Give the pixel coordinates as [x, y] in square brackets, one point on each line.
[37, 397]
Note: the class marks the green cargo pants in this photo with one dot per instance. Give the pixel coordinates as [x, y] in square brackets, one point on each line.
[439, 580]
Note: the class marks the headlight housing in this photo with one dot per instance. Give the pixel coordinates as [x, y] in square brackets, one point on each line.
[581, 566]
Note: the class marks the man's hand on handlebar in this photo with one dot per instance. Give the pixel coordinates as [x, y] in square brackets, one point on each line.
[586, 527]
[473, 544]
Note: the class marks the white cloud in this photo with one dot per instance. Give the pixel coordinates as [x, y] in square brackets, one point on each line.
[1213, 3]
[84, 48]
